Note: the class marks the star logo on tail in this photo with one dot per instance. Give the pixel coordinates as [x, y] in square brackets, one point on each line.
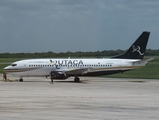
[137, 49]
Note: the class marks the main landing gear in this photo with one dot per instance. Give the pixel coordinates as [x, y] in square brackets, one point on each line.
[54, 75]
[21, 80]
[77, 79]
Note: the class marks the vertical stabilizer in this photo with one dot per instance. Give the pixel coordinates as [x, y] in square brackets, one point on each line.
[137, 49]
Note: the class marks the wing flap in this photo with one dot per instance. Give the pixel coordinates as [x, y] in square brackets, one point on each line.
[77, 71]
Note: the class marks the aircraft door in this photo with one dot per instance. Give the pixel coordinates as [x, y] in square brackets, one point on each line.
[26, 66]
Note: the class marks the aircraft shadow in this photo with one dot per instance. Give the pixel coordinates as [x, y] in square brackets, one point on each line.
[81, 82]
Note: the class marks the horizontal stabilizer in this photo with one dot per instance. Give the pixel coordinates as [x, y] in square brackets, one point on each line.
[142, 62]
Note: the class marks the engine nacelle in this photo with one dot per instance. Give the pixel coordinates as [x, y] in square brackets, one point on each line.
[59, 75]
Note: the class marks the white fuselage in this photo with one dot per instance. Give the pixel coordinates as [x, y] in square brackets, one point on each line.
[72, 67]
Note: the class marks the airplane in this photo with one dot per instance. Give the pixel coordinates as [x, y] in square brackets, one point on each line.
[65, 68]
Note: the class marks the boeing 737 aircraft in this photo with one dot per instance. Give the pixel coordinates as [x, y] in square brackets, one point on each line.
[64, 68]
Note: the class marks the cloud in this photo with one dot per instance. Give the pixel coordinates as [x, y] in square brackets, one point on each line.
[84, 25]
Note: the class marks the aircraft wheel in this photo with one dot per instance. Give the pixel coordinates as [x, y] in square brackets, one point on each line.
[77, 79]
[20, 80]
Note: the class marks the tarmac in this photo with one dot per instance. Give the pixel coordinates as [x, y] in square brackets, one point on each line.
[94, 98]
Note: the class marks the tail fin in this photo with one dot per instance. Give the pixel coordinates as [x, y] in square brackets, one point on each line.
[137, 49]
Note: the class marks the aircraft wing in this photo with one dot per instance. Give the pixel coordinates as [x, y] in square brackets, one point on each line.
[77, 71]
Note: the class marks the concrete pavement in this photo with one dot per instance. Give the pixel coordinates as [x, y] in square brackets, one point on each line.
[94, 98]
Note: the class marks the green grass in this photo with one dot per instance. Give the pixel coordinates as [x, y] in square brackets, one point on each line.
[4, 60]
[7, 61]
[150, 71]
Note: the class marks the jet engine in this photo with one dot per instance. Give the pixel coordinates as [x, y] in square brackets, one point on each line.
[58, 75]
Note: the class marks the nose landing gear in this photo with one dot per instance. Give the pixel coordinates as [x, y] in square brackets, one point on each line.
[52, 77]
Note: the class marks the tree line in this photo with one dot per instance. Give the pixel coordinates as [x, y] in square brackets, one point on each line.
[50, 54]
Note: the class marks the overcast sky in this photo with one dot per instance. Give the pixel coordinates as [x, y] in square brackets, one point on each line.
[76, 25]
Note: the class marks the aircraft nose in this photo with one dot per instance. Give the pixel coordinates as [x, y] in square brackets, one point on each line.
[6, 69]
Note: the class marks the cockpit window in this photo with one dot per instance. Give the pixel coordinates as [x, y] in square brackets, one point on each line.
[13, 64]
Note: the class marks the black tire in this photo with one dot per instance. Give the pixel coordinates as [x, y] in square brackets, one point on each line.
[21, 80]
[77, 79]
